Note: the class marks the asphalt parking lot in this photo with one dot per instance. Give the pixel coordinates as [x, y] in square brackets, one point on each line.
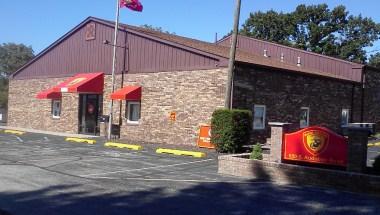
[42, 174]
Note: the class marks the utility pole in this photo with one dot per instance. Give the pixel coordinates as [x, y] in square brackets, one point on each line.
[231, 63]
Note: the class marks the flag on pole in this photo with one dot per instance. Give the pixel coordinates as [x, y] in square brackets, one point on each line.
[134, 5]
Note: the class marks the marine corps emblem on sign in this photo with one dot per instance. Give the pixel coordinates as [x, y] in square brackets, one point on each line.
[76, 81]
[315, 141]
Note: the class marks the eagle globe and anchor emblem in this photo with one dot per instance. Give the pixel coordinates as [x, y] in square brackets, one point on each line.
[315, 141]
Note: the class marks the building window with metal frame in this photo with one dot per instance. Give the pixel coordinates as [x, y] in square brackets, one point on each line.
[304, 117]
[56, 109]
[345, 117]
[259, 113]
[133, 112]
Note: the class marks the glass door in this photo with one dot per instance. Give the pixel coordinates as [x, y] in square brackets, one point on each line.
[89, 110]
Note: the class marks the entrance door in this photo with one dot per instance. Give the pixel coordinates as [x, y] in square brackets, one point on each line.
[89, 110]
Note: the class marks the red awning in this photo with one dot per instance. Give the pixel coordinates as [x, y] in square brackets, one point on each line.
[83, 83]
[49, 94]
[127, 93]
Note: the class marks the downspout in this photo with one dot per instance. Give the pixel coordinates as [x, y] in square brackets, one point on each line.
[362, 95]
[126, 56]
[352, 104]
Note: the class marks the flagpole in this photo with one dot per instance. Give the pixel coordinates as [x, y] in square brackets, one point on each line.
[113, 68]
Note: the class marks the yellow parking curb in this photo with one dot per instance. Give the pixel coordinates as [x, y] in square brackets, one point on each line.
[14, 132]
[373, 144]
[181, 152]
[80, 140]
[123, 145]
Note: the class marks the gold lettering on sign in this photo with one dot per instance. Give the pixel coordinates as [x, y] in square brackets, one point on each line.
[76, 81]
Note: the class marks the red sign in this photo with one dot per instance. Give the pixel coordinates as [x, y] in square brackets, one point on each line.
[316, 145]
[204, 139]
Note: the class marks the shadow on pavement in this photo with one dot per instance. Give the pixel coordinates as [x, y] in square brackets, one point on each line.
[205, 198]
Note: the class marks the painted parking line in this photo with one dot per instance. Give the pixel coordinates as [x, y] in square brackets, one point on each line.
[146, 168]
[80, 140]
[19, 139]
[181, 152]
[123, 146]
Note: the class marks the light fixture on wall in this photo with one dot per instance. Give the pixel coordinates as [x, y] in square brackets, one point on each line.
[299, 61]
[107, 42]
[266, 53]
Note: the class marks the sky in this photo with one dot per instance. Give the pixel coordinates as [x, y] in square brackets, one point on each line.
[41, 22]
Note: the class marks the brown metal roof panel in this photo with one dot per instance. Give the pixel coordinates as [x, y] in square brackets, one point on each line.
[308, 59]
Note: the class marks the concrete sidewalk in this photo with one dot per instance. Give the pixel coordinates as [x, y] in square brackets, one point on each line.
[48, 132]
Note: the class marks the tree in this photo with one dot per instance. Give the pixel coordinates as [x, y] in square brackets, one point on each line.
[12, 57]
[153, 28]
[316, 28]
[374, 60]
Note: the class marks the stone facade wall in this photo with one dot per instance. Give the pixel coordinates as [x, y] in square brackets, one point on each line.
[192, 95]
[26, 111]
[284, 94]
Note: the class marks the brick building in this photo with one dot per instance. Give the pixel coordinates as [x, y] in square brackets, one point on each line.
[67, 86]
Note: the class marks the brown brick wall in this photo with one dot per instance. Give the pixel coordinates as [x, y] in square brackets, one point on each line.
[239, 165]
[192, 95]
[25, 111]
[284, 94]
[372, 97]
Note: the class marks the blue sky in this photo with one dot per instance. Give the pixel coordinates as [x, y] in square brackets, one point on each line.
[40, 22]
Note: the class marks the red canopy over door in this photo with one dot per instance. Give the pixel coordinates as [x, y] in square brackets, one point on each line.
[49, 94]
[83, 83]
[127, 93]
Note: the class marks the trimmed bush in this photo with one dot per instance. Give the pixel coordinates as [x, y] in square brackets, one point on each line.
[230, 129]
[376, 165]
[257, 152]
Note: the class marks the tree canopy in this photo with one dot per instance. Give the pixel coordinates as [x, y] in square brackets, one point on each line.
[374, 60]
[159, 29]
[12, 57]
[318, 29]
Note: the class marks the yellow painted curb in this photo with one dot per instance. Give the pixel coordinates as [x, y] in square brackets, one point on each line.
[80, 140]
[14, 132]
[123, 145]
[181, 152]
[373, 144]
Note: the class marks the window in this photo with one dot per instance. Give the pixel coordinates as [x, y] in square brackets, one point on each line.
[345, 116]
[133, 112]
[56, 109]
[259, 117]
[304, 117]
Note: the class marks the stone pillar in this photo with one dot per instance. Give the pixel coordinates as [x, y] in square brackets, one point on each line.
[357, 149]
[278, 129]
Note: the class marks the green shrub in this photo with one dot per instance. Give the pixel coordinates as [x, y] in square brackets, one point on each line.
[230, 129]
[376, 165]
[257, 152]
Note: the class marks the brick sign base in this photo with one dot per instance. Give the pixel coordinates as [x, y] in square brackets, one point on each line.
[239, 165]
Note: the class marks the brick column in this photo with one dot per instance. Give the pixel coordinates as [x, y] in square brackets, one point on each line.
[357, 149]
[277, 132]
